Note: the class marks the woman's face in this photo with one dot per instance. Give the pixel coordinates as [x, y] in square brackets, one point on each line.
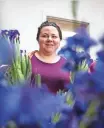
[49, 40]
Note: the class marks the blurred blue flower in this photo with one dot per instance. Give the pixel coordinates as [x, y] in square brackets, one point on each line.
[7, 46]
[4, 32]
[76, 49]
[69, 65]
[98, 74]
[26, 105]
[82, 30]
[102, 39]
[5, 51]
[13, 34]
[67, 52]
[100, 55]
[81, 38]
[9, 103]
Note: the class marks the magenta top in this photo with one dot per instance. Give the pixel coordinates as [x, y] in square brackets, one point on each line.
[52, 74]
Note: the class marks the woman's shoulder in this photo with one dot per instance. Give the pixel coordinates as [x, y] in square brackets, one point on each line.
[31, 54]
[62, 58]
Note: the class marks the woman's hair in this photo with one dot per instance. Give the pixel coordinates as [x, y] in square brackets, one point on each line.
[47, 23]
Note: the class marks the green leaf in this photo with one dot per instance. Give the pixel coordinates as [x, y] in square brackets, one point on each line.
[72, 74]
[56, 118]
[69, 98]
[38, 80]
[83, 66]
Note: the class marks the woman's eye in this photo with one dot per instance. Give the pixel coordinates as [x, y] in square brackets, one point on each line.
[54, 37]
[44, 36]
[47, 36]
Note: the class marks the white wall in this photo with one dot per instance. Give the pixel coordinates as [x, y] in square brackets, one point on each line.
[26, 16]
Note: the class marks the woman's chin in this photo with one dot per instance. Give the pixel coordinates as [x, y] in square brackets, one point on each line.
[49, 51]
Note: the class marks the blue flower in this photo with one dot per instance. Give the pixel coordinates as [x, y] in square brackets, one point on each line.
[98, 74]
[67, 52]
[97, 78]
[81, 38]
[4, 32]
[102, 39]
[5, 52]
[13, 34]
[76, 49]
[3, 69]
[7, 46]
[100, 55]
[26, 105]
[69, 65]
[9, 103]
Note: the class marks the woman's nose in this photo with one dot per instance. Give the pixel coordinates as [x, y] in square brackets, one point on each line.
[49, 38]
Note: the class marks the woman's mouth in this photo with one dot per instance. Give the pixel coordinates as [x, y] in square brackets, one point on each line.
[49, 45]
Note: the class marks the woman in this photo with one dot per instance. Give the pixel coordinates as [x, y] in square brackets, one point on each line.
[45, 61]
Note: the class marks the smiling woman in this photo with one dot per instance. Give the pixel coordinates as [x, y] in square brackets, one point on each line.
[46, 62]
[49, 41]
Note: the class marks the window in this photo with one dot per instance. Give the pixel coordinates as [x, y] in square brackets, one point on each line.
[67, 26]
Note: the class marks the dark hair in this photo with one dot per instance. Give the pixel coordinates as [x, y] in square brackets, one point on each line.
[47, 23]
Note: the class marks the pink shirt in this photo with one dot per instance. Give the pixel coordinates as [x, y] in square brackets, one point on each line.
[52, 74]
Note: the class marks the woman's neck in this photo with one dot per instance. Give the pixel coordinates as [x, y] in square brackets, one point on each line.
[49, 58]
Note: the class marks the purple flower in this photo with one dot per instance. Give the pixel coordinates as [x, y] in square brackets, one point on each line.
[13, 34]
[9, 103]
[77, 42]
[98, 74]
[67, 52]
[97, 78]
[8, 47]
[100, 55]
[69, 65]
[81, 39]
[5, 51]
[26, 105]
[4, 32]
[102, 39]
[82, 30]
[3, 69]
